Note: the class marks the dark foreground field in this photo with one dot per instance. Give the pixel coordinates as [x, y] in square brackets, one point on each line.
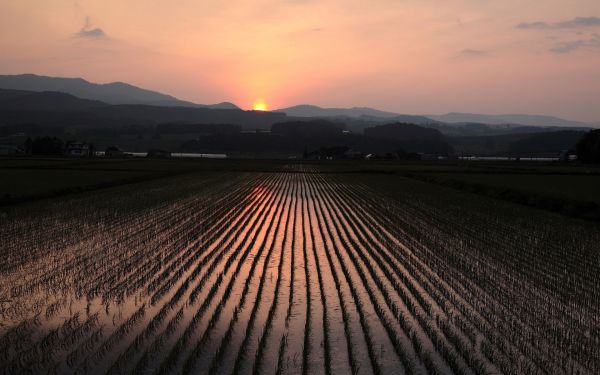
[277, 268]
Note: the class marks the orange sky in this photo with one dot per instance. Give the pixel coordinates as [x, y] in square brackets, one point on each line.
[408, 56]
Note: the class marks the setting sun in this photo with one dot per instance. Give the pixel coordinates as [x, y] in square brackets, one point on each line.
[259, 105]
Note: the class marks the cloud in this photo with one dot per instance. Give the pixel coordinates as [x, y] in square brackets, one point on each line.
[88, 31]
[567, 47]
[534, 25]
[468, 52]
[92, 33]
[575, 23]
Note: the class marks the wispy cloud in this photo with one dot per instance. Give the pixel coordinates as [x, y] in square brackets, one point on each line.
[469, 52]
[88, 31]
[570, 46]
[578, 22]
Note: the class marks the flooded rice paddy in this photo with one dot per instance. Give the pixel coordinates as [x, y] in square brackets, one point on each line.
[295, 273]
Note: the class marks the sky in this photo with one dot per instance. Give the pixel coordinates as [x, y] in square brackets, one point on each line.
[406, 56]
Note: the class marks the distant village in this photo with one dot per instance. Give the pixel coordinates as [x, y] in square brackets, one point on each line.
[52, 146]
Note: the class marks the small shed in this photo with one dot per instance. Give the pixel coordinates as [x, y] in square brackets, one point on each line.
[114, 152]
[155, 153]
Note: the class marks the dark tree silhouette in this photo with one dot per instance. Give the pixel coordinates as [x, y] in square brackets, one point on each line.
[588, 148]
[47, 146]
[28, 146]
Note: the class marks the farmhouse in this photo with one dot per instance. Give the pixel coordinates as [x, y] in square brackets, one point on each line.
[10, 150]
[77, 149]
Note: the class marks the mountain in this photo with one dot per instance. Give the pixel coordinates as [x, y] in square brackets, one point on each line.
[363, 113]
[465, 121]
[531, 120]
[111, 93]
[305, 110]
[222, 105]
[56, 109]
[18, 100]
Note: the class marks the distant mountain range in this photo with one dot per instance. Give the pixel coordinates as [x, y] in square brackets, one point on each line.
[34, 113]
[57, 109]
[122, 93]
[306, 110]
[111, 93]
[366, 113]
[531, 120]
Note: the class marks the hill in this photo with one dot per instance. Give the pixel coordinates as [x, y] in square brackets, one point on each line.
[306, 110]
[543, 144]
[549, 143]
[317, 137]
[44, 101]
[403, 132]
[410, 137]
[532, 120]
[364, 113]
[112, 93]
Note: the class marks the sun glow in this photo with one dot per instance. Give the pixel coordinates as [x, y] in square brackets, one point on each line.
[259, 105]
